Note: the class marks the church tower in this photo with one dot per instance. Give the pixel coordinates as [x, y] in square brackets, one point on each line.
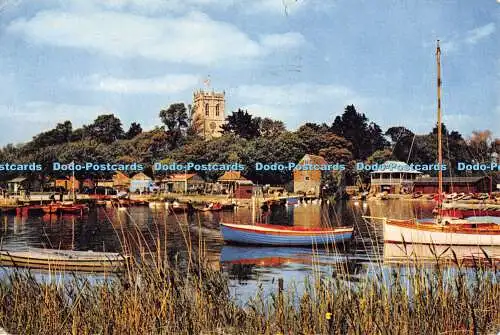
[208, 113]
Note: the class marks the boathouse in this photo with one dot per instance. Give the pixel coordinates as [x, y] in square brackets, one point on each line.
[231, 180]
[141, 183]
[183, 183]
[17, 184]
[308, 181]
[430, 185]
[243, 189]
[393, 177]
[67, 183]
[120, 182]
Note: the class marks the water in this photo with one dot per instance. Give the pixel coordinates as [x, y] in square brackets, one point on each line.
[249, 268]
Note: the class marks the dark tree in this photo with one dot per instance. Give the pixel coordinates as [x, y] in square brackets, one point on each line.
[134, 130]
[242, 124]
[175, 118]
[59, 135]
[271, 128]
[313, 137]
[105, 129]
[402, 140]
[353, 126]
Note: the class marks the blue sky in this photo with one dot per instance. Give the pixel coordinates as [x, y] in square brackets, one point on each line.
[296, 61]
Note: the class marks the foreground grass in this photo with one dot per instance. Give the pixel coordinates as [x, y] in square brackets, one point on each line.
[164, 298]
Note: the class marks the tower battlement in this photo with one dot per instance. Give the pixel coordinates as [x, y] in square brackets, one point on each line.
[208, 113]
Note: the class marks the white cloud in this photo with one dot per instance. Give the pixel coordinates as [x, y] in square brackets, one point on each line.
[292, 94]
[282, 41]
[33, 117]
[173, 83]
[194, 38]
[471, 37]
[45, 112]
[255, 7]
[302, 102]
[475, 35]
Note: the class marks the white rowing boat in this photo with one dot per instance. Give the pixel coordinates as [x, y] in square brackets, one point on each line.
[65, 260]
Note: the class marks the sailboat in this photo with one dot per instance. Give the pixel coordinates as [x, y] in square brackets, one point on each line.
[445, 230]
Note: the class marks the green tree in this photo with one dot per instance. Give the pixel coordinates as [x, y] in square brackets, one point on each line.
[271, 128]
[402, 141]
[365, 137]
[60, 134]
[312, 137]
[480, 144]
[105, 129]
[134, 130]
[335, 149]
[242, 124]
[175, 118]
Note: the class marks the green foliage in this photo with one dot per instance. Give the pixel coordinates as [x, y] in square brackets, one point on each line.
[175, 118]
[134, 130]
[60, 134]
[381, 156]
[271, 128]
[247, 140]
[402, 140]
[354, 127]
[105, 129]
[242, 124]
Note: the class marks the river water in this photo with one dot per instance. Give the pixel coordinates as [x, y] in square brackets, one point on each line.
[249, 268]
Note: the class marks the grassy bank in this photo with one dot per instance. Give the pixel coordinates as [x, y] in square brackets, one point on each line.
[166, 298]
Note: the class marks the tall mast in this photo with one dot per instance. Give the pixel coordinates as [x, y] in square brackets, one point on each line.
[439, 128]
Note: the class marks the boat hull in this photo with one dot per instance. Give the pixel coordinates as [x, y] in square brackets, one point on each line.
[63, 260]
[411, 233]
[430, 253]
[246, 234]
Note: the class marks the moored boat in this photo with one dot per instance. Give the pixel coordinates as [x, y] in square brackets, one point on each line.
[63, 260]
[450, 232]
[447, 228]
[443, 253]
[462, 213]
[275, 235]
[212, 207]
[64, 208]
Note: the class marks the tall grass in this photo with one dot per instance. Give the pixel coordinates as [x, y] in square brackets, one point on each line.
[158, 295]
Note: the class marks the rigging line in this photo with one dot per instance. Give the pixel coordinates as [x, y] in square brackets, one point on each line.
[411, 148]
[397, 140]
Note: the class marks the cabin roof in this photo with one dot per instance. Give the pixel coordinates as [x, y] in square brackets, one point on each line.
[231, 176]
[313, 159]
[17, 180]
[141, 176]
[395, 167]
[448, 180]
[180, 177]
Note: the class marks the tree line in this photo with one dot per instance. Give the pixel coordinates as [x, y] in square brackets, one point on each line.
[245, 139]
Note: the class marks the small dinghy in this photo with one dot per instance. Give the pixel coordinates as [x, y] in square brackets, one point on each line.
[63, 260]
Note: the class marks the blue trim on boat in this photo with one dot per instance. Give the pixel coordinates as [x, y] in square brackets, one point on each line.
[249, 237]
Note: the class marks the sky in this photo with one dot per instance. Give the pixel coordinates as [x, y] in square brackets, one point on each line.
[293, 60]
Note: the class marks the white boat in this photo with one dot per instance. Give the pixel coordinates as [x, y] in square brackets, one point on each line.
[443, 230]
[450, 232]
[63, 260]
[431, 253]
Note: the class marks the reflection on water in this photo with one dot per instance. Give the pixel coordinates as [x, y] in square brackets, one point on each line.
[152, 230]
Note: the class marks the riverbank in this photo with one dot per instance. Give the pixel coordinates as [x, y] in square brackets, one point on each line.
[167, 299]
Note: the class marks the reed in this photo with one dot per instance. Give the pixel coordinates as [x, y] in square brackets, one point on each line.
[158, 294]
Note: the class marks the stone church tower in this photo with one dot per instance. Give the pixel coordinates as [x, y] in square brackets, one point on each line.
[208, 113]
